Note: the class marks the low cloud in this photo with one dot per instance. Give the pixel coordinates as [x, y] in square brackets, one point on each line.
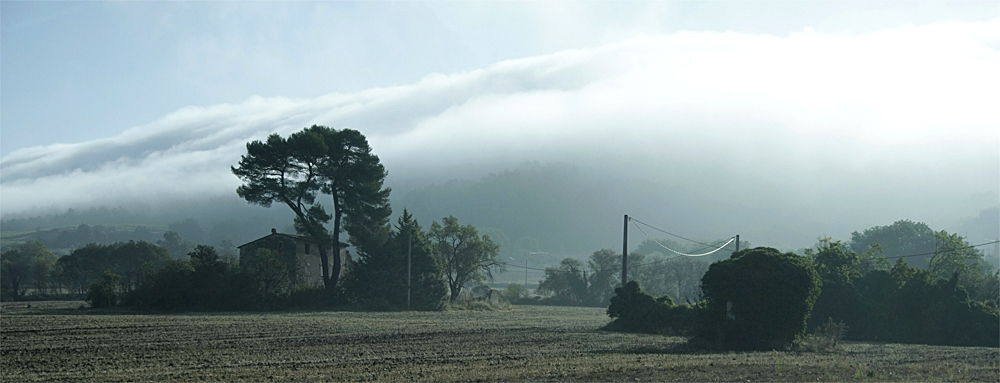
[900, 118]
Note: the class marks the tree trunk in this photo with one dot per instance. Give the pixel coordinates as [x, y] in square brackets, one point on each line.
[325, 261]
[455, 290]
[337, 264]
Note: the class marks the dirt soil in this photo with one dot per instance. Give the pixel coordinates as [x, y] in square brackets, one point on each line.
[59, 341]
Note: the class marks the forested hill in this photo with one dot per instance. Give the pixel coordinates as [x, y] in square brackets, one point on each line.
[558, 209]
[552, 208]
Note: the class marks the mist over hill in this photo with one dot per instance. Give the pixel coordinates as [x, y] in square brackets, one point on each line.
[780, 139]
[556, 209]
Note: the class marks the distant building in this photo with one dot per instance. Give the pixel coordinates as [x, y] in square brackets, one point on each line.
[301, 254]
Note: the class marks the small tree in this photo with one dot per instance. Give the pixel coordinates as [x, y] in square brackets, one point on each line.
[175, 245]
[567, 283]
[835, 263]
[838, 267]
[463, 254]
[605, 273]
[104, 292]
[634, 309]
[759, 298]
[208, 281]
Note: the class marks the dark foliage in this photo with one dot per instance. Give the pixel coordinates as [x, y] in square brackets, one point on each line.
[130, 260]
[206, 283]
[574, 283]
[901, 238]
[634, 310]
[906, 304]
[838, 301]
[758, 299]
[567, 284]
[104, 292]
[927, 309]
[381, 273]
[27, 265]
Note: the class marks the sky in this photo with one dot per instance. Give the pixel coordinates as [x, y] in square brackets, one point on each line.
[817, 105]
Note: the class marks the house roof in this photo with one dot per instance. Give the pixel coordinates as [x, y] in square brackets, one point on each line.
[295, 237]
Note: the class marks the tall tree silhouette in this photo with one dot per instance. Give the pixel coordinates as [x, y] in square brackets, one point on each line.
[319, 159]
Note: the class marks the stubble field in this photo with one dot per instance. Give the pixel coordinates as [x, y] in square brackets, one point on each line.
[55, 341]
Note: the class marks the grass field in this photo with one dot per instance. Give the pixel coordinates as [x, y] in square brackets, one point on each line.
[58, 341]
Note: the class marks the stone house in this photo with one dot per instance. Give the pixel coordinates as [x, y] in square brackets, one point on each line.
[300, 254]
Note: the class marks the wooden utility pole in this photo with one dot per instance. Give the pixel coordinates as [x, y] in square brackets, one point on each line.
[409, 264]
[625, 253]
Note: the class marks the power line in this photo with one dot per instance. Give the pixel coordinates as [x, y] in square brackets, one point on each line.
[668, 233]
[943, 251]
[717, 248]
[652, 263]
[519, 266]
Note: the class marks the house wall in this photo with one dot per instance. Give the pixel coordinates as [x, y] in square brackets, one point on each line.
[310, 267]
[285, 247]
[305, 270]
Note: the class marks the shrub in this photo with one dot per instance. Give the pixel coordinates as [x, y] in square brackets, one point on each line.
[758, 299]
[466, 302]
[514, 291]
[168, 288]
[838, 301]
[927, 309]
[825, 338]
[634, 310]
[430, 293]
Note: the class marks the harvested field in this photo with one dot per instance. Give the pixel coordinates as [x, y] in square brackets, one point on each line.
[58, 341]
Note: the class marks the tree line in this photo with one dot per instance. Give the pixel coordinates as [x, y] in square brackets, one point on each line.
[576, 283]
[762, 298]
[440, 261]
[296, 172]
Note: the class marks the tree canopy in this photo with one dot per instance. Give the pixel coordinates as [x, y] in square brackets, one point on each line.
[382, 273]
[319, 159]
[759, 298]
[464, 255]
[28, 264]
[901, 238]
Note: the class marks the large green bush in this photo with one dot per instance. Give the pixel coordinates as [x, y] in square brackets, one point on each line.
[759, 299]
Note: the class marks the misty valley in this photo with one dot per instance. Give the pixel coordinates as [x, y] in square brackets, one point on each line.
[316, 242]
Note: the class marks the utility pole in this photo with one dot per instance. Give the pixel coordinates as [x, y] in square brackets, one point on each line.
[625, 253]
[526, 271]
[737, 242]
[409, 264]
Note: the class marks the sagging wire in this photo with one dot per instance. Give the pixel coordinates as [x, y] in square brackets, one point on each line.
[665, 232]
[731, 239]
